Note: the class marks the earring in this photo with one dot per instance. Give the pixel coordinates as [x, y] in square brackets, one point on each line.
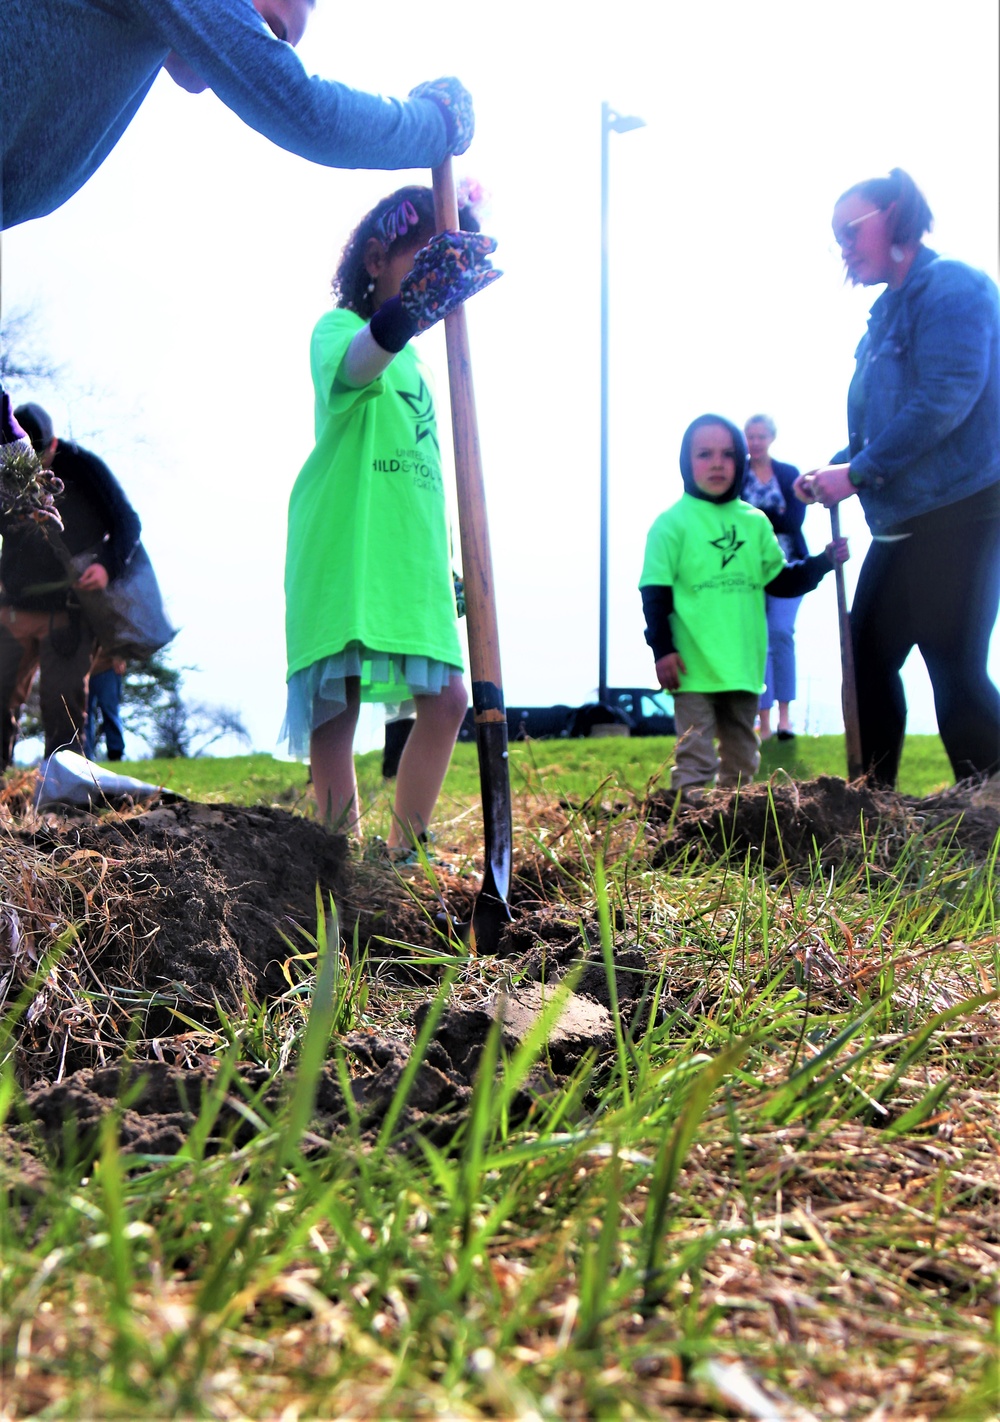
[370, 288]
[896, 252]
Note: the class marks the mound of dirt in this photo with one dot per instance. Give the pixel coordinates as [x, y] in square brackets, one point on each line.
[204, 895]
[185, 908]
[827, 819]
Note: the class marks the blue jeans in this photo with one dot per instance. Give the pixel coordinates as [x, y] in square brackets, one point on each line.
[105, 696]
[779, 670]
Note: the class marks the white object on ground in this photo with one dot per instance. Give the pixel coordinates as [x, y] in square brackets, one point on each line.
[71, 779]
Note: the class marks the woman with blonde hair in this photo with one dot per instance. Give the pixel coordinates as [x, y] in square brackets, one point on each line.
[770, 486]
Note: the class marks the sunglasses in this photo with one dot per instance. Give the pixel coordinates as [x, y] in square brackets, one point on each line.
[848, 235]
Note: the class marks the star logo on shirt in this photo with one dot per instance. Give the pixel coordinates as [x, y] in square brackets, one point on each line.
[728, 545]
[421, 402]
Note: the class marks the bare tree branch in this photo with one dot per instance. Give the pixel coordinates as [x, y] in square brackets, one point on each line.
[21, 358]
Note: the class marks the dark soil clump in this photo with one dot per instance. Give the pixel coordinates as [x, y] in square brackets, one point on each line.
[824, 820]
[207, 891]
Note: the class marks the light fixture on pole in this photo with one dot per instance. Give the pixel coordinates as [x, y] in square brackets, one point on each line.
[611, 121]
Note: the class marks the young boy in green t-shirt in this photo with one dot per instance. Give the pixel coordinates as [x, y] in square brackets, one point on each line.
[710, 559]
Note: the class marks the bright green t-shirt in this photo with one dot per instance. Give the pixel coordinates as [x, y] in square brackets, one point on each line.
[717, 558]
[368, 557]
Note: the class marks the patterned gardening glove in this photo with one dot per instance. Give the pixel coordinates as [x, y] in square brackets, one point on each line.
[451, 268]
[455, 103]
[27, 489]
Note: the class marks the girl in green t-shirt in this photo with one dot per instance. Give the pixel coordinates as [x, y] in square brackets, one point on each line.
[369, 601]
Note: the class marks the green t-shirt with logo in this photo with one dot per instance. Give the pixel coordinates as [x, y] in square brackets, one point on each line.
[368, 557]
[717, 559]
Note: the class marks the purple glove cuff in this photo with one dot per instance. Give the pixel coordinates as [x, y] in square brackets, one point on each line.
[391, 326]
[455, 103]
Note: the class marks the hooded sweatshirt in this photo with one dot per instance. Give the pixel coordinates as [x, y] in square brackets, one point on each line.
[709, 561]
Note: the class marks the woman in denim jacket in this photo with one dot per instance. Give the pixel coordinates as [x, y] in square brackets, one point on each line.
[924, 458]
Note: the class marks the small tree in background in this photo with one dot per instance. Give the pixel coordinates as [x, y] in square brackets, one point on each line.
[208, 724]
[154, 708]
[21, 360]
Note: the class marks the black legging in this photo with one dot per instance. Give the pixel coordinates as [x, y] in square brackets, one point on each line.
[938, 590]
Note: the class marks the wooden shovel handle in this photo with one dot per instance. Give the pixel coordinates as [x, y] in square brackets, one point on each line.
[849, 690]
[477, 562]
[492, 909]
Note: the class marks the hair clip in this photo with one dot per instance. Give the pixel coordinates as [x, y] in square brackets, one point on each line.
[471, 194]
[397, 222]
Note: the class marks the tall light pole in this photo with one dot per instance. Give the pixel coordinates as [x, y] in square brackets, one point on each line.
[611, 120]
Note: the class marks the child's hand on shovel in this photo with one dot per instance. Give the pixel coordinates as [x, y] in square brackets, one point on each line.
[451, 268]
[837, 551]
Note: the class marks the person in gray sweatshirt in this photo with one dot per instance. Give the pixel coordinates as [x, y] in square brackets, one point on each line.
[73, 74]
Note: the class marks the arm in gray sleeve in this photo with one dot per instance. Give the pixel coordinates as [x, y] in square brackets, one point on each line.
[263, 81]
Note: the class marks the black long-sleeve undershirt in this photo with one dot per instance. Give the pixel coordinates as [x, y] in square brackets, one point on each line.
[794, 580]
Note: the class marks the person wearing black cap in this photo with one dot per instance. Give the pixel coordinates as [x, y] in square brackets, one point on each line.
[710, 559]
[42, 627]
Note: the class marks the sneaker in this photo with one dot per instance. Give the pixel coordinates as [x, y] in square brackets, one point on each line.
[402, 856]
[786, 735]
[693, 795]
[378, 851]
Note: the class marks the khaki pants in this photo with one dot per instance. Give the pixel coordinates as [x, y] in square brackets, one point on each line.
[61, 650]
[702, 718]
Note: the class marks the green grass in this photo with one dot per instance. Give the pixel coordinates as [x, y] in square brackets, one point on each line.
[781, 1175]
[237, 780]
[569, 768]
[757, 1184]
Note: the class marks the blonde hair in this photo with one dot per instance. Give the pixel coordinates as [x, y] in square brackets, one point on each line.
[765, 420]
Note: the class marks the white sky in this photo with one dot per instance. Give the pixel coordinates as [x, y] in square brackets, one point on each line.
[180, 287]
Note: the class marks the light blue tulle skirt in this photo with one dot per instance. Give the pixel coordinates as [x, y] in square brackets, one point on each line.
[317, 693]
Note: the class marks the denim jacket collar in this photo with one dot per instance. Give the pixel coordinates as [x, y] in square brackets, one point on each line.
[890, 300]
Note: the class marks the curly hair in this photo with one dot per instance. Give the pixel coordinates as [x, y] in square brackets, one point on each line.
[913, 215]
[351, 280]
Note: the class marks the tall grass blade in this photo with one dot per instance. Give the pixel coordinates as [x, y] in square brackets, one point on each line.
[672, 1154]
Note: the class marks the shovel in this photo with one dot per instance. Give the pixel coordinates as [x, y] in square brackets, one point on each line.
[491, 909]
[849, 692]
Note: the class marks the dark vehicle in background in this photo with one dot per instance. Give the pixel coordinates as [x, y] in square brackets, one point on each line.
[639, 711]
[649, 713]
[628, 711]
